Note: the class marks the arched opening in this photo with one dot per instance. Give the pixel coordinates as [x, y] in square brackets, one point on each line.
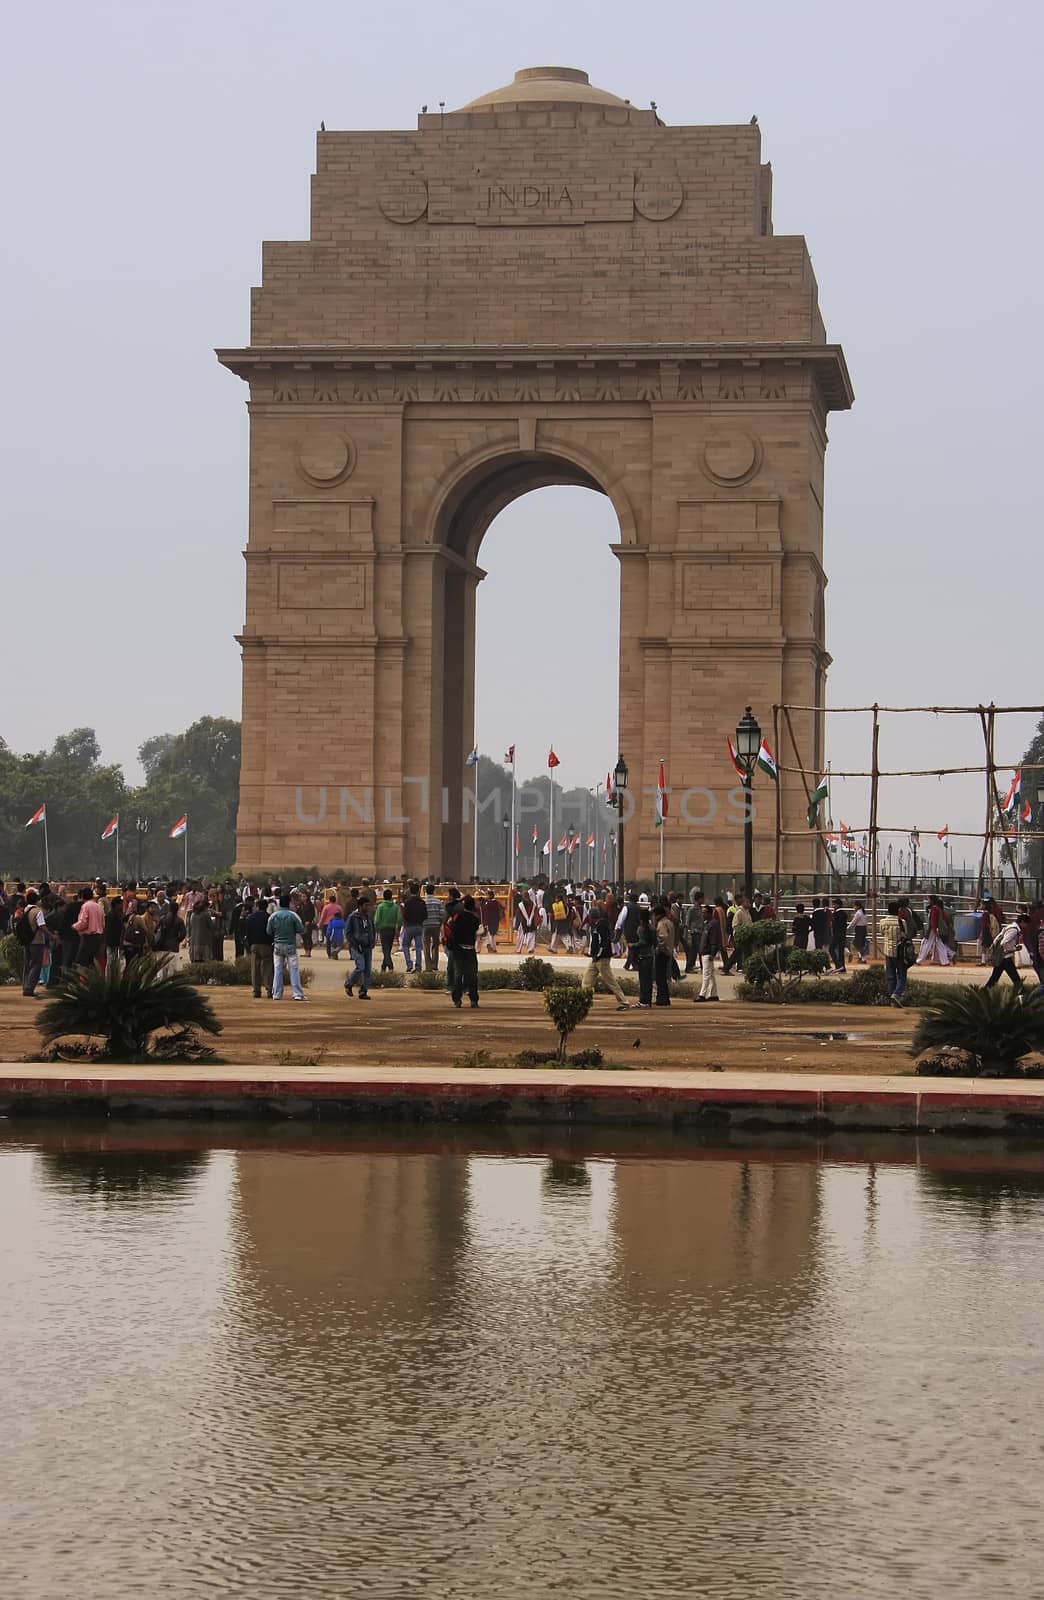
[531, 637]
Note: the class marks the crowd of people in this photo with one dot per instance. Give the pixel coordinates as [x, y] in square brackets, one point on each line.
[661, 938]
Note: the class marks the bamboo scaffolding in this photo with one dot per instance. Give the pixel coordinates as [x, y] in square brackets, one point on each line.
[874, 828]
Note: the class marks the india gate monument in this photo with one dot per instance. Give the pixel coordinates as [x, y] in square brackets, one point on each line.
[546, 286]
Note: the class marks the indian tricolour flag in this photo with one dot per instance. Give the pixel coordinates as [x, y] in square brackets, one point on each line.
[661, 798]
[40, 815]
[111, 828]
[767, 762]
[818, 795]
[180, 827]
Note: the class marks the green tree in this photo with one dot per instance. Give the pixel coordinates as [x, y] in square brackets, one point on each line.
[1031, 781]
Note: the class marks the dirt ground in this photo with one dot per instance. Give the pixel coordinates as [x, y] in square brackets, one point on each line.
[407, 1027]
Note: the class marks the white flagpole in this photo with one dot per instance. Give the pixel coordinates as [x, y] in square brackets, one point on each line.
[186, 846]
[663, 822]
[474, 864]
[47, 849]
[551, 824]
[117, 847]
[514, 847]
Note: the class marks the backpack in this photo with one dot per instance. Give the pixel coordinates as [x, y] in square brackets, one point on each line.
[558, 911]
[24, 930]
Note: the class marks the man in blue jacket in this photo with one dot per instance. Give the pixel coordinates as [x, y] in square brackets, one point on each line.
[360, 936]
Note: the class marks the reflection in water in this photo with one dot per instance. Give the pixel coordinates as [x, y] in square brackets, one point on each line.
[403, 1368]
[115, 1175]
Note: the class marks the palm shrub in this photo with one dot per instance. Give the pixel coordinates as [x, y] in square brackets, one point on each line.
[771, 971]
[993, 1025]
[567, 1005]
[127, 1006]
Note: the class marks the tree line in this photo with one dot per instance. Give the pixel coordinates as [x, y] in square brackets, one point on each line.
[194, 773]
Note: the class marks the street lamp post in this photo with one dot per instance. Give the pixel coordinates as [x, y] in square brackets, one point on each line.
[507, 850]
[915, 840]
[620, 776]
[748, 743]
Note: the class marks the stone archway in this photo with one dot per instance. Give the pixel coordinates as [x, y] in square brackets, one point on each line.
[545, 287]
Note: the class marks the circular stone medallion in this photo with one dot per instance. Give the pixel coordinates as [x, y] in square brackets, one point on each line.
[326, 457]
[657, 195]
[404, 199]
[731, 457]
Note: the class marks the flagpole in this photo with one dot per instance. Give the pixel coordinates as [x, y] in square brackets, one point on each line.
[551, 823]
[474, 866]
[47, 849]
[117, 848]
[663, 824]
[514, 843]
[186, 847]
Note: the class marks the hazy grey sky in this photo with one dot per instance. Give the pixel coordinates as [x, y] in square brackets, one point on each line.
[149, 150]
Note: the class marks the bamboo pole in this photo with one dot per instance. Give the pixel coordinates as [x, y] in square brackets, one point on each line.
[808, 792]
[872, 841]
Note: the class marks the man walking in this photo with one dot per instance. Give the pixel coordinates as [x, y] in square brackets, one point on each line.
[284, 928]
[600, 964]
[361, 936]
[387, 921]
[820, 924]
[893, 944]
[1002, 954]
[259, 944]
[709, 947]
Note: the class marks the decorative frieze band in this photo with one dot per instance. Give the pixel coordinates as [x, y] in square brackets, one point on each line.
[518, 383]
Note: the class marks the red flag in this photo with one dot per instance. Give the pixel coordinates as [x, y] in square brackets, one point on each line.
[552, 759]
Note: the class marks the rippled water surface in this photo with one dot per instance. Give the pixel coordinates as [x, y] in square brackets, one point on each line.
[462, 1366]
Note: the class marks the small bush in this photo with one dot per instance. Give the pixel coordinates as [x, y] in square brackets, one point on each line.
[551, 1058]
[229, 974]
[386, 980]
[427, 980]
[567, 1006]
[498, 978]
[535, 974]
[12, 961]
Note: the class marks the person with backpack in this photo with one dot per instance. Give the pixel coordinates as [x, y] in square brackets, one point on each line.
[361, 936]
[31, 932]
[137, 936]
[560, 925]
[462, 927]
[1002, 955]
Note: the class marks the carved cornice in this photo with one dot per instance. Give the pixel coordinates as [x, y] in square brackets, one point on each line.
[531, 374]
